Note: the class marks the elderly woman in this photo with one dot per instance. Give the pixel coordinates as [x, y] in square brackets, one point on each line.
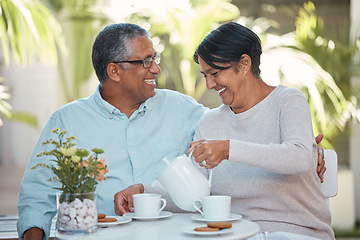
[260, 142]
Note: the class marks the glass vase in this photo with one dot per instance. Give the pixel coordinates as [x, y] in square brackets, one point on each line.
[77, 213]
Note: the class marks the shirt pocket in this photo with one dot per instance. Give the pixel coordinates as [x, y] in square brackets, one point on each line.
[161, 150]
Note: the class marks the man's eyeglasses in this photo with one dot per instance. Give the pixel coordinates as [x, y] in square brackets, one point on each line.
[147, 62]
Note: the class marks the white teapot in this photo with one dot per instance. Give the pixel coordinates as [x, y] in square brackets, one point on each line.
[184, 182]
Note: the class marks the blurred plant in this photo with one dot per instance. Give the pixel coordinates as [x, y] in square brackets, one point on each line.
[320, 67]
[28, 30]
[81, 22]
[335, 55]
[5, 107]
[178, 31]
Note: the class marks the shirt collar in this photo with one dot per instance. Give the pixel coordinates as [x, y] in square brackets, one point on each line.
[110, 110]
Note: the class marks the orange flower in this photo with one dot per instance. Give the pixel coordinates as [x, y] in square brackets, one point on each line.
[102, 170]
[67, 154]
[86, 162]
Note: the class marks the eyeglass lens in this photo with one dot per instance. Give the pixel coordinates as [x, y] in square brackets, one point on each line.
[148, 61]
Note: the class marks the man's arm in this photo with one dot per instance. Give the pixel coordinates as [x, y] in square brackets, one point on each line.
[33, 234]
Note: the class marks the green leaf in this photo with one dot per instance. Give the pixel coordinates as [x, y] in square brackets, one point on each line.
[81, 152]
[24, 117]
[97, 150]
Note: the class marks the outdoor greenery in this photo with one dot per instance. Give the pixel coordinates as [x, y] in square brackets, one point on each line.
[28, 31]
[177, 30]
[321, 67]
[81, 21]
[62, 32]
[336, 103]
[348, 233]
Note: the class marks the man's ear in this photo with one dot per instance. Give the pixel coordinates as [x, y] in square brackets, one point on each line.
[114, 71]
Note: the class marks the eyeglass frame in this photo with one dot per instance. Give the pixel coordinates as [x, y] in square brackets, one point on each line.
[156, 58]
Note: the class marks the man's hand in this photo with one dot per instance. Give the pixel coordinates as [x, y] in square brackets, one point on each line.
[321, 162]
[33, 234]
[123, 200]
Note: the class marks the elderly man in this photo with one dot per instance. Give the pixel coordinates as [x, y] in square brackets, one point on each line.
[135, 124]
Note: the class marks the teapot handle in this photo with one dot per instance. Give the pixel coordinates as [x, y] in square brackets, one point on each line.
[190, 155]
[210, 171]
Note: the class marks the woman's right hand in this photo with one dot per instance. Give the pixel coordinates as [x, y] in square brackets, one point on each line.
[209, 153]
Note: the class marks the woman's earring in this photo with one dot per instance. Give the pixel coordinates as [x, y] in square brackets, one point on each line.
[245, 72]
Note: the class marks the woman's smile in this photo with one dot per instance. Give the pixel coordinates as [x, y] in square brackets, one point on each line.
[221, 90]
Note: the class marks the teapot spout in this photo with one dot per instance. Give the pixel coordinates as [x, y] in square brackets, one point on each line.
[157, 185]
[165, 160]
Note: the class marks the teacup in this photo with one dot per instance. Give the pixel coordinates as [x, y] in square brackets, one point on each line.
[148, 204]
[214, 208]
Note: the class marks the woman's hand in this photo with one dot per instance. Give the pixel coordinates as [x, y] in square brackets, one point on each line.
[210, 153]
[123, 200]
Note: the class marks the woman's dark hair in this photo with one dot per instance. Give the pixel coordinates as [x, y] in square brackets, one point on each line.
[112, 45]
[227, 44]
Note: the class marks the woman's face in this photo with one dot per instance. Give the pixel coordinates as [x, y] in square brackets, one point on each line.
[228, 83]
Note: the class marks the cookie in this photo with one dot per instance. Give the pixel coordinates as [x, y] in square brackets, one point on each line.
[206, 229]
[101, 215]
[220, 225]
[102, 220]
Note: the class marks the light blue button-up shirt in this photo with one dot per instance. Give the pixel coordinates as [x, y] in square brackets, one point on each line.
[163, 125]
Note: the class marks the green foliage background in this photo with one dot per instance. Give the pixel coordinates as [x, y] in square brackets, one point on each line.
[64, 30]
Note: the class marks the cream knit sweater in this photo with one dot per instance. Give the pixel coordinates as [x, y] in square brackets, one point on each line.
[271, 171]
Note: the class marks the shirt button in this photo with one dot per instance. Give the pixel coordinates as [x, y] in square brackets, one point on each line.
[138, 179]
[129, 123]
[132, 153]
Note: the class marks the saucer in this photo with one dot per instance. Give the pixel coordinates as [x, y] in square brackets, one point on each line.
[190, 230]
[232, 217]
[163, 214]
[120, 220]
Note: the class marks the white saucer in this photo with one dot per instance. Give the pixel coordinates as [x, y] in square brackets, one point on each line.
[163, 214]
[190, 230]
[232, 217]
[120, 220]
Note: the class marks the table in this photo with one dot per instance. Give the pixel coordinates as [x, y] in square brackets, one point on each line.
[166, 228]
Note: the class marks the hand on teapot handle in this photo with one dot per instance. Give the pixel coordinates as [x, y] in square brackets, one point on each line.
[123, 200]
[193, 145]
[210, 153]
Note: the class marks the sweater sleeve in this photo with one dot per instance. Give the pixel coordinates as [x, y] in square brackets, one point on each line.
[295, 153]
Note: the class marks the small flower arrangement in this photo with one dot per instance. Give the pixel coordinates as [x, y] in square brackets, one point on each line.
[77, 171]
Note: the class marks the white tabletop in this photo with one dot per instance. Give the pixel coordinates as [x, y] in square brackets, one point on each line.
[172, 227]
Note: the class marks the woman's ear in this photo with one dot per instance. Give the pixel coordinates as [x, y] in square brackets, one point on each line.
[245, 63]
[113, 71]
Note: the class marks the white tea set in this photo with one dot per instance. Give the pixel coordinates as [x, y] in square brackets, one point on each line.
[183, 182]
[190, 190]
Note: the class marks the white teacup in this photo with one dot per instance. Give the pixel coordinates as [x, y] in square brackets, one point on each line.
[148, 204]
[215, 208]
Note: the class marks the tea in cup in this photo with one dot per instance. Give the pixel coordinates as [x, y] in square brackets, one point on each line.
[148, 204]
[214, 208]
